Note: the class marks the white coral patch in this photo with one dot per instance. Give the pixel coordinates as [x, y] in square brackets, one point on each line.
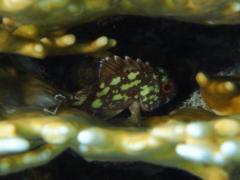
[13, 145]
[197, 129]
[56, 133]
[91, 136]
[137, 146]
[230, 149]
[83, 148]
[236, 7]
[194, 152]
[219, 159]
[169, 132]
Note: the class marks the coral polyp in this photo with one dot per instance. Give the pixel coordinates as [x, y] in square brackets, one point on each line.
[221, 93]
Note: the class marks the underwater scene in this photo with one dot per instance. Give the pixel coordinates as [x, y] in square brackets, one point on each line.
[119, 89]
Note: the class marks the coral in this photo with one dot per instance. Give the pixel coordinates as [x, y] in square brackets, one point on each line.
[194, 140]
[54, 45]
[191, 139]
[221, 93]
[82, 11]
[26, 30]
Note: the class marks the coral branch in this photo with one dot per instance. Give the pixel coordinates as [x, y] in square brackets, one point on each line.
[27, 31]
[221, 93]
[178, 140]
[39, 156]
[62, 13]
[12, 43]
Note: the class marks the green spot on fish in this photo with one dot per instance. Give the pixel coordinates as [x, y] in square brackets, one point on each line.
[164, 78]
[152, 97]
[97, 104]
[145, 90]
[102, 85]
[80, 101]
[115, 81]
[132, 75]
[130, 85]
[145, 99]
[103, 92]
[120, 97]
[155, 76]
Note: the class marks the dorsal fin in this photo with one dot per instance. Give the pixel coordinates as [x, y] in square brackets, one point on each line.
[111, 67]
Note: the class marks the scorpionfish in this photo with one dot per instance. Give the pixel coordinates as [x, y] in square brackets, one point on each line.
[125, 83]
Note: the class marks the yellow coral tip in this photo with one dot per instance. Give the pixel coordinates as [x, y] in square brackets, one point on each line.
[229, 86]
[201, 79]
[38, 48]
[102, 41]
[66, 40]
[113, 42]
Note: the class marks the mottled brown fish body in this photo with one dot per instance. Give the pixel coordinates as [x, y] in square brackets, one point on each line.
[121, 83]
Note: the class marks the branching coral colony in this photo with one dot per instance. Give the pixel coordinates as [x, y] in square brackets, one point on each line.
[195, 140]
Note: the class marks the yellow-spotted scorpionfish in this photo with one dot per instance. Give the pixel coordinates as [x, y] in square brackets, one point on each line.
[125, 83]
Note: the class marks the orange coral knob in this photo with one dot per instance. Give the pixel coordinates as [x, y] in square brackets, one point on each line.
[222, 94]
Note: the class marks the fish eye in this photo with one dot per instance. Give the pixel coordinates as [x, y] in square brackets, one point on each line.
[167, 87]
